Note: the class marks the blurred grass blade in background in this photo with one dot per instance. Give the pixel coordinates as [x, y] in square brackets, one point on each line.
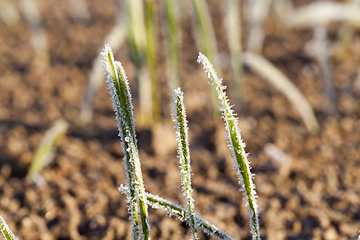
[30, 11]
[151, 49]
[9, 14]
[258, 10]
[45, 152]
[79, 10]
[206, 40]
[137, 39]
[265, 69]
[233, 29]
[321, 51]
[236, 146]
[121, 97]
[115, 39]
[321, 13]
[181, 132]
[172, 43]
[5, 230]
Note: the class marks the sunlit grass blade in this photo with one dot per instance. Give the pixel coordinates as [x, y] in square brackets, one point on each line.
[5, 230]
[236, 146]
[45, 151]
[173, 209]
[179, 117]
[233, 30]
[121, 97]
[115, 39]
[264, 68]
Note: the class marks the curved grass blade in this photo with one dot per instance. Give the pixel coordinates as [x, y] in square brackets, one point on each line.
[179, 117]
[236, 146]
[120, 94]
[5, 230]
[263, 67]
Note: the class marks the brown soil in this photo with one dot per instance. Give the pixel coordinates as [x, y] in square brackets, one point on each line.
[312, 194]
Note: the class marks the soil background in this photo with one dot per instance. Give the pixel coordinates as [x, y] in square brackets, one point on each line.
[311, 190]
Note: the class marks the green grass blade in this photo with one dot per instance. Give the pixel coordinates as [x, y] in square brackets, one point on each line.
[179, 117]
[173, 209]
[120, 94]
[5, 230]
[236, 146]
[45, 151]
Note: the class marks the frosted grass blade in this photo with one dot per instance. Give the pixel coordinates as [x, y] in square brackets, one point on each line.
[5, 230]
[236, 146]
[120, 94]
[181, 131]
[263, 67]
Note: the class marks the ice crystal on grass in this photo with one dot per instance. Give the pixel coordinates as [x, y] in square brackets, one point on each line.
[179, 117]
[121, 97]
[5, 230]
[236, 146]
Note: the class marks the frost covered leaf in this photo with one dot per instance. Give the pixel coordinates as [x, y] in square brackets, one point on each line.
[121, 97]
[5, 230]
[236, 146]
[179, 117]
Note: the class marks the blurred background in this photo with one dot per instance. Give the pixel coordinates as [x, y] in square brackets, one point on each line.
[292, 71]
